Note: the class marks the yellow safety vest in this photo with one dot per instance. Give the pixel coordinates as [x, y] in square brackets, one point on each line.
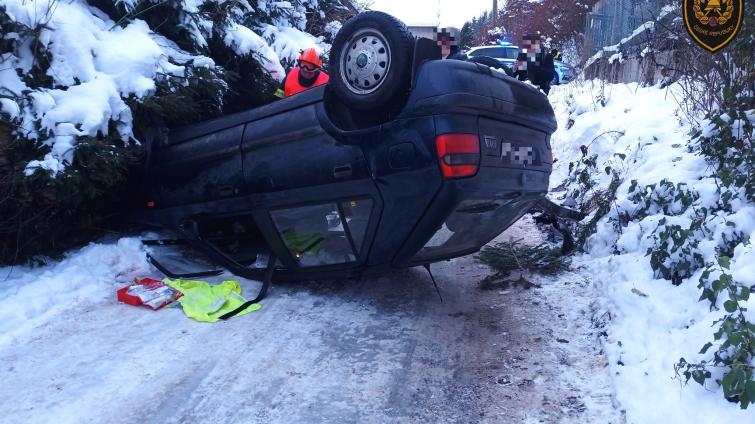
[207, 303]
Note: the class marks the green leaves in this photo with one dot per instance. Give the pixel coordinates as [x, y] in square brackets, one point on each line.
[45, 215]
[748, 396]
[744, 294]
[675, 255]
[730, 306]
[736, 335]
[735, 382]
[728, 148]
[700, 376]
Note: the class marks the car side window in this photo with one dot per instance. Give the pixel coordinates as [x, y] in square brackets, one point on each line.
[324, 234]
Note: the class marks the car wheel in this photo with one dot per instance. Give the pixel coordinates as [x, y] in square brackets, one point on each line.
[371, 62]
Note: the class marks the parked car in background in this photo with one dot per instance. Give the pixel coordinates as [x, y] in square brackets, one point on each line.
[564, 73]
[505, 54]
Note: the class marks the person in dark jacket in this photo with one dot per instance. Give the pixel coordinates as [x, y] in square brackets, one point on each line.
[534, 64]
[520, 66]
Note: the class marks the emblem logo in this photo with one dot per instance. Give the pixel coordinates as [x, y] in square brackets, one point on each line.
[713, 23]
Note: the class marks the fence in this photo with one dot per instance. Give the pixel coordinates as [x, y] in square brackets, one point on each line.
[641, 56]
[612, 20]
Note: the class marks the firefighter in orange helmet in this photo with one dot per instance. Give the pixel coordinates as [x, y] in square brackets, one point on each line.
[306, 75]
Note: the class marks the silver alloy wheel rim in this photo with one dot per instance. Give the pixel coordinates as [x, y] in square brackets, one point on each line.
[365, 61]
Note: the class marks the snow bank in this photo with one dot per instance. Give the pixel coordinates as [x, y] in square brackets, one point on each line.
[634, 134]
[30, 296]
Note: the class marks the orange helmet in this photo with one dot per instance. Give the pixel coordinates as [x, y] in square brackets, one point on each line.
[311, 56]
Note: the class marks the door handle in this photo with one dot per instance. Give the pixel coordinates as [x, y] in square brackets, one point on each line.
[342, 171]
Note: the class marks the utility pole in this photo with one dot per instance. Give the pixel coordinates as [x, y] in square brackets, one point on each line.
[495, 13]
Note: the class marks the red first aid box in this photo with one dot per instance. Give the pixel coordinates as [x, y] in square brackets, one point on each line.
[148, 292]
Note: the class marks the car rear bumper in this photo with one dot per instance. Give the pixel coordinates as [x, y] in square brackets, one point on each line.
[467, 214]
[513, 123]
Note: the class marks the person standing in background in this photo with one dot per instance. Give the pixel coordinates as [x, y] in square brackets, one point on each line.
[534, 64]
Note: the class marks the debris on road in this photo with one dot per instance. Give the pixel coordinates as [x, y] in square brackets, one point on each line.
[148, 292]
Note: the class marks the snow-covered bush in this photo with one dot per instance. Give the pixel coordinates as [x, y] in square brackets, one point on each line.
[721, 89]
[659, 210]
[685, 202]
[83, 81]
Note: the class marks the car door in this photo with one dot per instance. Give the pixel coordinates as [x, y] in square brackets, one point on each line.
[315, 200]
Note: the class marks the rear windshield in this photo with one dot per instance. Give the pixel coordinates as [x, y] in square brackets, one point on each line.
[497, 52]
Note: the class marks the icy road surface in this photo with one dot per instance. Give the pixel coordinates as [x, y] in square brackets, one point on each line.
[380, 350]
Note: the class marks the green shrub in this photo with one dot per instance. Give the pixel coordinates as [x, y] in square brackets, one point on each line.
[42, 215]
[511, 256]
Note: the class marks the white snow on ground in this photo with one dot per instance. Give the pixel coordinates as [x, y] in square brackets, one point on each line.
[654, 323]
[90, 276]
[377, 350]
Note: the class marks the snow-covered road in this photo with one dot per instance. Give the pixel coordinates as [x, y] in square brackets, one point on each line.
[377, 350]
[597, 344]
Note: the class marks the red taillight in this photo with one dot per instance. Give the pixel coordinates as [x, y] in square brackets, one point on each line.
[459, 154]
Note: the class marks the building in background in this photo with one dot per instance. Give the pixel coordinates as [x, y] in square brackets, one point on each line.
[424, 31]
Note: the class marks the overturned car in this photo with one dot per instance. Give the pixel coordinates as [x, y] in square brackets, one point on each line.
[403, 159]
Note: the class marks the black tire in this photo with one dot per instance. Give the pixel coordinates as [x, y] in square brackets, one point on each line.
[378, 76]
